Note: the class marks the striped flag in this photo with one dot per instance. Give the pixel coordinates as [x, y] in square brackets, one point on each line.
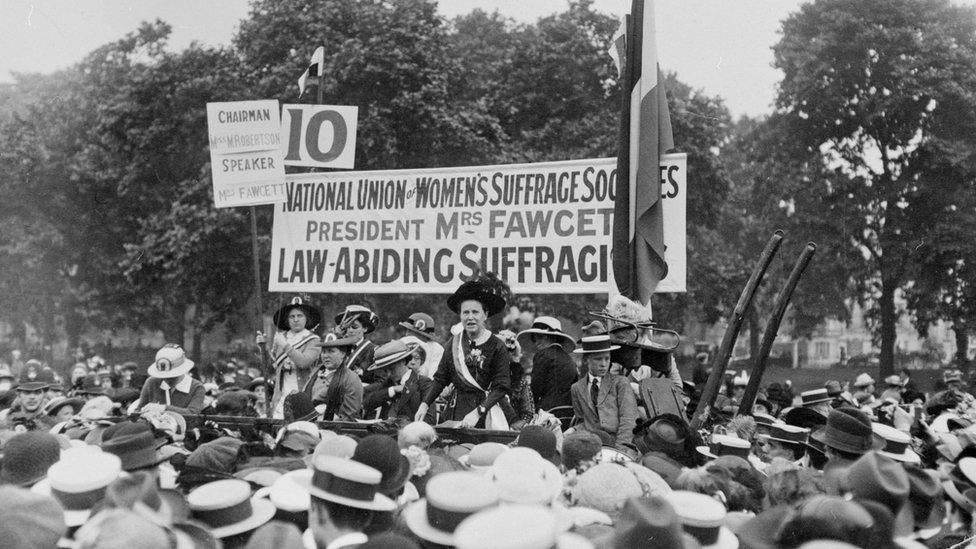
[313, 71]
[645, 134]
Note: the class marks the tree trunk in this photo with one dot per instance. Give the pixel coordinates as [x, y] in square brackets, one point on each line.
[962, 343]
[889, 318]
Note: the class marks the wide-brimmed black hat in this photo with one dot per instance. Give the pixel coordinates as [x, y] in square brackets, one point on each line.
[488, 289]
[313, 316]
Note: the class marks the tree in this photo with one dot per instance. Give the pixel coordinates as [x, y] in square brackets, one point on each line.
[868, 87]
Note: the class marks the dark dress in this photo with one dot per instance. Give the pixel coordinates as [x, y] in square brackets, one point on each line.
[490, 370]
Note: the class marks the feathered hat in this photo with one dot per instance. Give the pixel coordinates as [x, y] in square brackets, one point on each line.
[485, 288]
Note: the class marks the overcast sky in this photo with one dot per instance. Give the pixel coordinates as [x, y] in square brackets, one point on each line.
[720, 46]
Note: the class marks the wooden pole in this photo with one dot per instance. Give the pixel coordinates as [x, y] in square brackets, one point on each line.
[772, 328]
[732, 331]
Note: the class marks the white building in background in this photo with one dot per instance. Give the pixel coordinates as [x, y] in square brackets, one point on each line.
[836, 342]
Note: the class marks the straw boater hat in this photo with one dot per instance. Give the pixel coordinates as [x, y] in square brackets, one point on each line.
[515, 527]
[702, 517]
[725, 445]
[595, 344]
[348, 483]
[814, 396]
[487, 289]
[896, 444]
[787, 434]
[369, 319]
[78, 481]
[421, 324]
[547, 326]
[313, 317]
[451, 497]
[390, 353]
[170, 362]
[226, 506]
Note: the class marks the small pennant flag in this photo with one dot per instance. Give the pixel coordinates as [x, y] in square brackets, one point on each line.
[313, 71]
[618, 45]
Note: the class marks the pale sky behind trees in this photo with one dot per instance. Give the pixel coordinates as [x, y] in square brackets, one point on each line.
[720, 46]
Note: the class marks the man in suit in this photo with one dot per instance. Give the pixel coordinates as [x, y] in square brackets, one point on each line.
[603, 401]
[400, 390]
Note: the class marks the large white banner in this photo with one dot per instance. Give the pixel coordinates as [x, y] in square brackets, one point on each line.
[544, 228]
[245, 153]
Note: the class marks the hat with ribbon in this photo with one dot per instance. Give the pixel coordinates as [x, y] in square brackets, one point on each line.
[487, 289]
[56, 404]
[27, 457]
[368, 318]
[227, 508]
[848, 430]
[137, 450]
[332, 340]
[451, 497]
[171, 361]
[786, 434]
[390, 353]
[863, 380]
[79, 480]
[288, 494]
[896, 444]
[725, 445]
[547, 326]
[814, 396]
[313, 316]
[483, 455]
[421, 324]
[702, 516]
[348, 483]
[666, 433]
[595, 344]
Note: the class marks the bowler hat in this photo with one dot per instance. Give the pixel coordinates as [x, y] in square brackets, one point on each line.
[382, 453]
[848, 430]
[136, 450]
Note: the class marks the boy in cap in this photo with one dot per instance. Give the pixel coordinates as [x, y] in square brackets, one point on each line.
[603, 401]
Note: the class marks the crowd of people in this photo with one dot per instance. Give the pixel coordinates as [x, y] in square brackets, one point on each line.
[601, 450]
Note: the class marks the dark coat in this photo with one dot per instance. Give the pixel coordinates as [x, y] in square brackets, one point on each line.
[402, 405]
[494, 375]
[553, 374]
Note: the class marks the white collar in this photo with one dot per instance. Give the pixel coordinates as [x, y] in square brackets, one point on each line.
[592, 377]
[345, 540]
[292, 337]
[406, 376]
[183, 386]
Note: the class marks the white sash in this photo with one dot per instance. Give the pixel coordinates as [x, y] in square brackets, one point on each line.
[496, 417]
[355, 354]
[283, 355]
